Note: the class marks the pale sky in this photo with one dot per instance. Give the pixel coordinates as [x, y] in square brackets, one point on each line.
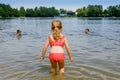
[65, 4]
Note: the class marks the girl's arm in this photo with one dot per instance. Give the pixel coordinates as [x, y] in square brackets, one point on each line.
[68, 50]
[44, 49]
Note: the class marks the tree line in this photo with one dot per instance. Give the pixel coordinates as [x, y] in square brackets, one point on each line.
[8, 11]
[90, 11]
[97, 11]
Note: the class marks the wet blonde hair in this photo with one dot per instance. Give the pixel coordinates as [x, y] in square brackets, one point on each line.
[56, 29]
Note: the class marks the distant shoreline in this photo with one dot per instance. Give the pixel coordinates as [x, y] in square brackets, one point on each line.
[55, 16]
[89, 11]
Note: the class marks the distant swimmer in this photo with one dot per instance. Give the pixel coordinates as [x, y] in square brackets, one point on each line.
[18, 34]
[87, 31]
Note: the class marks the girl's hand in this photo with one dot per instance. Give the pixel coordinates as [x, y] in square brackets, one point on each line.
[71, 59]
[41, 59]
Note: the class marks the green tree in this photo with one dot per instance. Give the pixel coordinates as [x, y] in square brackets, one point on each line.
[36, 12]
[29, 12]
[118, 11]
[5, 10]
[105, 13]
[22, 12]
[95, 10]
[82, 12]
[14, 12]
[1, 11]
[53, 12]
[43, 12]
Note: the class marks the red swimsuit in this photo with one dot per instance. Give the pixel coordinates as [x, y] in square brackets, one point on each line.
[56, 56]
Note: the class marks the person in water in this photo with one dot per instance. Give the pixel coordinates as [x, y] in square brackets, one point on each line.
[57, 41]
[87, 31]
[18, 34]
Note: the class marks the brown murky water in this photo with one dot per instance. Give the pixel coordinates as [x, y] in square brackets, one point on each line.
[97, 55]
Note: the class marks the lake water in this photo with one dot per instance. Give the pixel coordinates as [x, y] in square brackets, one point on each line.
[97, 55]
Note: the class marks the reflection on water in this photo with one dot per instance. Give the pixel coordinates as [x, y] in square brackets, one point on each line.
[97, 55]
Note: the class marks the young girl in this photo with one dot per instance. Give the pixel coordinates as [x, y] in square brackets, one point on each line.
[56, 41]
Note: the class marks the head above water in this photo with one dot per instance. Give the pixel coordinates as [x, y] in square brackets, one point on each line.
[18, 31]
[56, 28]
[87, 31]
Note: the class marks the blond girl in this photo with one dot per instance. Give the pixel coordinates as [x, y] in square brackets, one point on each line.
[57, 41]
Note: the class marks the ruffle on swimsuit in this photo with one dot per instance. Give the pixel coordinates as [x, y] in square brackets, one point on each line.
[57, 57]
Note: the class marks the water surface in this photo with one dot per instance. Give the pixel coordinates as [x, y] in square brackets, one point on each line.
[97, 55]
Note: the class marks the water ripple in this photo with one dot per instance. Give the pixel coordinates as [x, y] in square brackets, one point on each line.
[96, 55]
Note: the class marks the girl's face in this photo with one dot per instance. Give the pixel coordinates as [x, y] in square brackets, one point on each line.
[56, 25]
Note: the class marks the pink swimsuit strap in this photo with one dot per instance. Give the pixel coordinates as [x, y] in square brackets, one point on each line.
[56, 43]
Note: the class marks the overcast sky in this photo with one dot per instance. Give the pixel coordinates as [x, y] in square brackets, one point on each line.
[65, 4]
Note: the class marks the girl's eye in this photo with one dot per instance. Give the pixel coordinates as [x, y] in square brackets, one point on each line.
[59, 27]
[53, 28]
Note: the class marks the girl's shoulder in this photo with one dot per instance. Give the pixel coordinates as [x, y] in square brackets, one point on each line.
[63, 36]
[50, 36]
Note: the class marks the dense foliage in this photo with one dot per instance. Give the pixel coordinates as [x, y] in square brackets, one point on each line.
[89, 11]
[7, 11]
[97, 11]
